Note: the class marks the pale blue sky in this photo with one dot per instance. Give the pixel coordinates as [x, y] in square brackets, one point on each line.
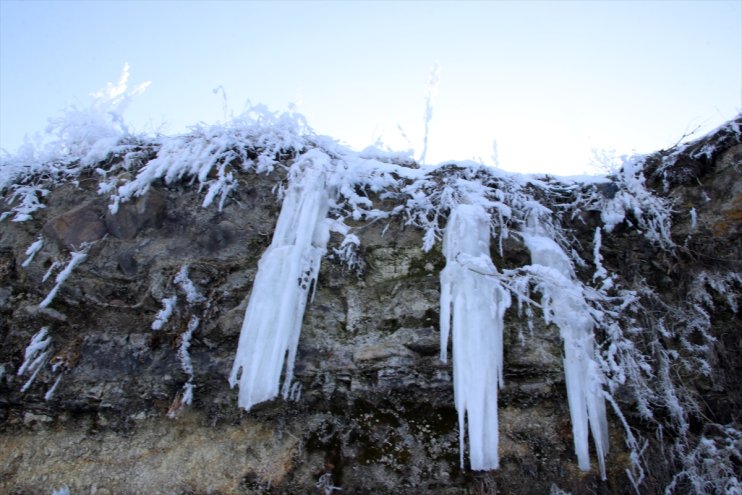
[548, 80]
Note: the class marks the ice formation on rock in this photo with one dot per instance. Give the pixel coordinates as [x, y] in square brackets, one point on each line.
[286, 273]
[564, 304]
[473, 304]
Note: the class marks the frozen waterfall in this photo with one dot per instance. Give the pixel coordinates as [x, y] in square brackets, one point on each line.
[287, 271]
[564, 304]
[473, 302]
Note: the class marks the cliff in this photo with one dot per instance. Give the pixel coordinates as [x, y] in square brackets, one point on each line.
[125, 276]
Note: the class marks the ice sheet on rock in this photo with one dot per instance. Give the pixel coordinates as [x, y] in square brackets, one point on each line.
[564, 304]
[286, 273]
[473, 304]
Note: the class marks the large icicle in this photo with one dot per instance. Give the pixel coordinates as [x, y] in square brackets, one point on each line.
[474, 303]
[565, 305]
[286, 273]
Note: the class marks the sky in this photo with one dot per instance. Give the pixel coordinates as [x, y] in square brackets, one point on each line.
[546, 83]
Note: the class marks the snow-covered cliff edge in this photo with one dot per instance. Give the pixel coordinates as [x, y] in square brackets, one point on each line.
[594, 323]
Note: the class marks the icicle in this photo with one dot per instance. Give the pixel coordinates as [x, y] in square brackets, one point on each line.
[286, 273]
[473, 302]
[565, 305]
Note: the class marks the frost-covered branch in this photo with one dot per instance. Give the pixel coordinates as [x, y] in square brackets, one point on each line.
[32, 250]
[193, 296]
[162, 317]
[77, 257]
[35, 356]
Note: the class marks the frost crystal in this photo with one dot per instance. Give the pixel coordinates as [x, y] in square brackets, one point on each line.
[287, 271]
[473, 304]
[50, 393]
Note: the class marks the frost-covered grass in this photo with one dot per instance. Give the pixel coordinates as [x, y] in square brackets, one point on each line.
[186, 364]
[162, 317]
[35, 356]
[32, 250]
[621, 339]
[77, 257]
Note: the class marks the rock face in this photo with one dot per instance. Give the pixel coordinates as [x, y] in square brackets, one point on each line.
[373, 408]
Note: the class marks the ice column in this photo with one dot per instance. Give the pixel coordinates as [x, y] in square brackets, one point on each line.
[286, 273]
[565, 305]
[473, 302]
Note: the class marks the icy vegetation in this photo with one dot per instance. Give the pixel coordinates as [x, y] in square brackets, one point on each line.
[615, 351]
[35, 357]
[32, 250]
[77, 257]
[187, 365]
[162, 317]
